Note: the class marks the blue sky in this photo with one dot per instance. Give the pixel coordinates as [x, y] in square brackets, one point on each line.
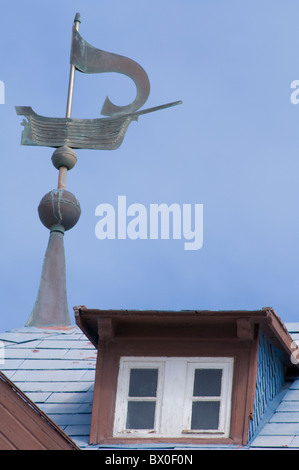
[232, 146]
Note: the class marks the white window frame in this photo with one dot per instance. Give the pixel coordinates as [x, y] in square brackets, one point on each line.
[174, 396]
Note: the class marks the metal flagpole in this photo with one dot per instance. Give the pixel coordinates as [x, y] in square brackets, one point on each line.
[77, 22]
[62, 169]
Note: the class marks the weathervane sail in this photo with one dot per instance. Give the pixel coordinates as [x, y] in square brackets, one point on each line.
[102, 133]
[59, 210]
[88, 59]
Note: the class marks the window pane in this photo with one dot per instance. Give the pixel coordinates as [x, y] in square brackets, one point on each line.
[143, 382]
[207, 383]
[205, 415]
[141, 415]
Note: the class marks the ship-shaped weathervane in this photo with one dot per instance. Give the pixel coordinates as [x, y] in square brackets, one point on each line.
[59, 210]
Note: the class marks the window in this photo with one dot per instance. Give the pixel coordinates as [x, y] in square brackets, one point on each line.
[175, 397]
[142, 399]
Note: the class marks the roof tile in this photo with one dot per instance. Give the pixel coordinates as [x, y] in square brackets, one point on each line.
[272, 441]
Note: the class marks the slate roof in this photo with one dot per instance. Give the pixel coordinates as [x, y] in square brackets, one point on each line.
[280, 427]
[55, 368]
[23, 425]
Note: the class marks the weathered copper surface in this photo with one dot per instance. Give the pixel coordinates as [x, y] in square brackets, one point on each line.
[103, 133]
[100, 134]
[51, 308]
[59, 210]
[59, 207]
[88, 59]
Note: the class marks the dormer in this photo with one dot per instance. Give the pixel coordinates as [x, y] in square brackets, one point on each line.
[189, 377]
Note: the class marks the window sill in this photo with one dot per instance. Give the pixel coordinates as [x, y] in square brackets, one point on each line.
[187, 435]
[207, 431]
[169, 440]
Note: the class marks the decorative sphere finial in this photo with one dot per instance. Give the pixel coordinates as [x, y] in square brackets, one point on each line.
[64, 156]
[59, 207]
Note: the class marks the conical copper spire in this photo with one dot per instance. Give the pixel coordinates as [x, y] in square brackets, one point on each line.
[51, 308]
[59, 211]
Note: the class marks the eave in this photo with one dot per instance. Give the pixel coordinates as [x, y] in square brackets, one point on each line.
[234, 325]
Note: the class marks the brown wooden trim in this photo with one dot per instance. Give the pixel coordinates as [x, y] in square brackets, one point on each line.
[90, 333]
[245, 329]
[107, 375]
[105, 329]
[252, 373]
[97, 396]
[24, 426]
[277, 333]
[187, 334]
[104, 394]
[201, 322]
[158, 440]
[250, 389]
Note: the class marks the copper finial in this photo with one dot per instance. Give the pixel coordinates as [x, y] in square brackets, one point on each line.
[59, 209]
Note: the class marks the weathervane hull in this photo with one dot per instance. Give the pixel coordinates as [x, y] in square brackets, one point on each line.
[102, 133]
